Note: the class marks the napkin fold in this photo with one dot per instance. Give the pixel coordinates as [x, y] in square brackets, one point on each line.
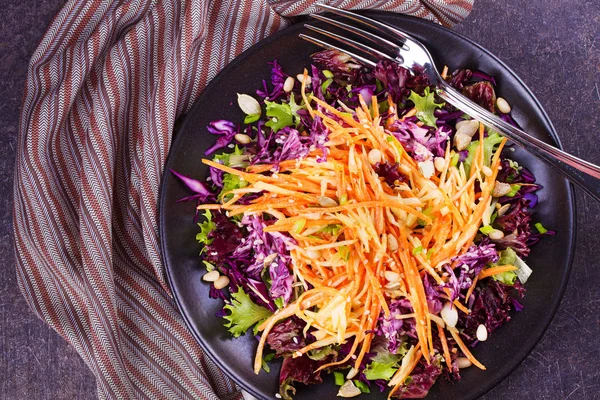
[104, 89]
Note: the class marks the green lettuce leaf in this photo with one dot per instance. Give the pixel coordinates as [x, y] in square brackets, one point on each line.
[235, 159]
[507, 257]
[205, 228]
[244, 313]
[280, 115]
[231, 182]
[425, 106]
[489, 143]
[384, 364]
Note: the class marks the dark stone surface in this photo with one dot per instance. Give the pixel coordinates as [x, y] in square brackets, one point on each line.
[553, 45]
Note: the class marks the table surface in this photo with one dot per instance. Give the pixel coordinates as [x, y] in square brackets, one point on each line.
[553, 45]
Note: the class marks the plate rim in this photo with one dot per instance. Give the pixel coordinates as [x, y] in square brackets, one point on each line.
[181, 124]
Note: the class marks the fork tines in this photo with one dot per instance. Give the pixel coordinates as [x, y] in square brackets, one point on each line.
[379, 48]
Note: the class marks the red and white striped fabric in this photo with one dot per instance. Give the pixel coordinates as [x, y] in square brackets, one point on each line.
[104, 89]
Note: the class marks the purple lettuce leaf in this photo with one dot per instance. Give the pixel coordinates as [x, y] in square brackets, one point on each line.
[482, 93]
[491, 307]
[421, 380]
[226, 237]
[286, 337]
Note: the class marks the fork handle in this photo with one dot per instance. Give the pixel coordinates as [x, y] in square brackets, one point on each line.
[584, 174]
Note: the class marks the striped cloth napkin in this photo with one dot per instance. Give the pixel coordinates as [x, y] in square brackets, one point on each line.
[104, 89]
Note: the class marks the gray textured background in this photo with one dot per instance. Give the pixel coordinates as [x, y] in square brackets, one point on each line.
[554, 45]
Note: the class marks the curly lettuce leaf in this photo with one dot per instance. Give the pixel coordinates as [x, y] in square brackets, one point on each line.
[280, 115]
[231, 182]
[205, 228]
[244, 313]
[489, 143]
[425, 106]
[385, 363]
[235, 159]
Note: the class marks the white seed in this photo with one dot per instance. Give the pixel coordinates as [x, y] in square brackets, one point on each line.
[463, 362]
[392, 243]
[242, 138]
[439, 163]
[288, 85]
[501, 189]
[313, 254]
[391, 276]
[269, 260]
[487, 171]
[503, 105]
[392, 285]
[248, 104]
[374, 156]
[325, 201]
[461, 141]
[211, 276]
[348, 390]
[496, 234]
[449, 314]
[502, 210]
[459, 124]
[426, 168]
[468, 128]
[352, 373]
[300, 78]
[221, 282]
[319, 335]
[482, 333]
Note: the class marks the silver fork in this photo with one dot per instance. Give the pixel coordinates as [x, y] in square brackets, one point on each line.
[411, 54]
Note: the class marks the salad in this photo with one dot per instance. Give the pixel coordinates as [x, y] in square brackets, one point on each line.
[359, 226]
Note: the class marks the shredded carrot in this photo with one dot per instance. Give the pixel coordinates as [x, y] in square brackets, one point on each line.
[442, 336]
[464, 348]
[496, 270]
[445, 72]
[351, 229]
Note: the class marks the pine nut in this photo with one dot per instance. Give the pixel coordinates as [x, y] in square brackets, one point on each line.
[463, 362]
[461, 141]
[502, 210]
[300, 78]
[468, 128]
[242, 138]
[439, 163]
[352, 373]
[392, 243]
[449, 314]
[374, 156]
[496, 234]
[426, 168]
[222, 282]
[391, 276]
[325, 201]
[211, 276]
[501, 189]
[487, 171]
[503, 105]
[313, 254]
[288, 85]
[482, 333]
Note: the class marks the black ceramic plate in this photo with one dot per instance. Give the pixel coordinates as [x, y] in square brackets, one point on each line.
[550, 260]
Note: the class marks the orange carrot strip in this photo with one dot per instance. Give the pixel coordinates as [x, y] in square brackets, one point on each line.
[464, 348]
[496, 270]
